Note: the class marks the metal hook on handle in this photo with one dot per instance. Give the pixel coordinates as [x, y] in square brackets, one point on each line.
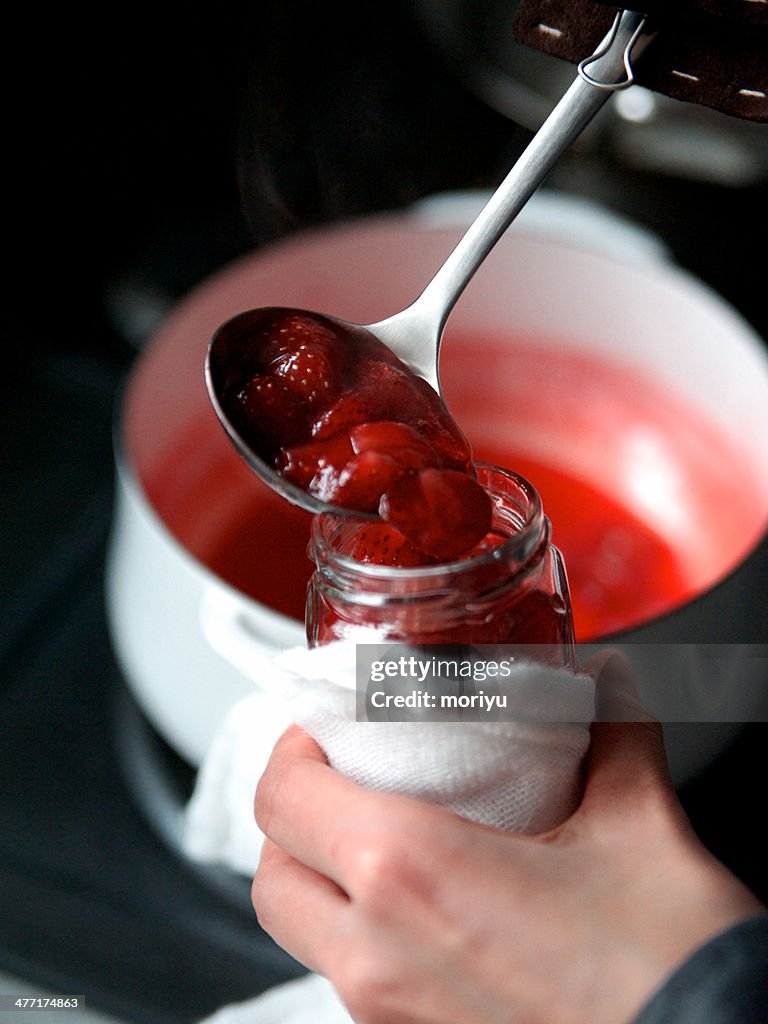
[605, 48]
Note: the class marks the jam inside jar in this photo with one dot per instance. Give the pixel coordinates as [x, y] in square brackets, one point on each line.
[509, 589]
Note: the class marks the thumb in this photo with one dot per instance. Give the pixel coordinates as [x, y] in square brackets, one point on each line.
[617, 699]
[627, 762]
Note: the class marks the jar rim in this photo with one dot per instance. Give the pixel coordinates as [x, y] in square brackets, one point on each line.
[518, 546]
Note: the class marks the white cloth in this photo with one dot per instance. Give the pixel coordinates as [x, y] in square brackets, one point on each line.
[218, 823]
[521, 775]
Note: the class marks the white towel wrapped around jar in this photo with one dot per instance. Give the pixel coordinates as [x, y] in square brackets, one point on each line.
[521, 774]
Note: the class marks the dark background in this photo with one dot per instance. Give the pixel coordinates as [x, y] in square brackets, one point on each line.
[162, 143]
[144, 148]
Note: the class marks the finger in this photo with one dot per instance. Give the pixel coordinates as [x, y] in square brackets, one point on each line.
[627, 763]
[328, 822]
[295, 742]
[617, 699]
[303, 911]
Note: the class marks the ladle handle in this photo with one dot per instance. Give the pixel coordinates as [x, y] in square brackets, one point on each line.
[609, 69]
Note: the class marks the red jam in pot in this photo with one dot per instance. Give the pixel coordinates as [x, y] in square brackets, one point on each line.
[578, 427]
[260, 547]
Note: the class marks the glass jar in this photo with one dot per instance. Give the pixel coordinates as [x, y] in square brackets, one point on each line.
[515, 592]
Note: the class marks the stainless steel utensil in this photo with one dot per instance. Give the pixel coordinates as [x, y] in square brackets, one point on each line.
[415, 333]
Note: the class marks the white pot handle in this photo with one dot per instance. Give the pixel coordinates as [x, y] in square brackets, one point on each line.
[239, 639]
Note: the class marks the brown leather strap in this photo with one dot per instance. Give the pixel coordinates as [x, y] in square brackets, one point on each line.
[713, 52]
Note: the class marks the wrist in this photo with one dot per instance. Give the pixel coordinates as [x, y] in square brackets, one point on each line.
[703, 902]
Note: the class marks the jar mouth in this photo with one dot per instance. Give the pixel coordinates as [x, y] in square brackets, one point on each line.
[517, 507]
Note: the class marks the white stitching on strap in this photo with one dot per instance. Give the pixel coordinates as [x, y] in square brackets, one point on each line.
[684, 74]
[556, 32]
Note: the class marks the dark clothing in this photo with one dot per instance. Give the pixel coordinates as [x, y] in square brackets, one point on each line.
[724, 982]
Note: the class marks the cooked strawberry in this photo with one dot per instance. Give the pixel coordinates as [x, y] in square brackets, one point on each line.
[346, 412]
[401, 387]
[397, 440]
[268, 415]
[309, 373]
[399, 395]
[442, 511]
[284, 331]
[366, 477]
[302, 352]
[381, 544]
[393, 396]
[325, 484]
[316, 466]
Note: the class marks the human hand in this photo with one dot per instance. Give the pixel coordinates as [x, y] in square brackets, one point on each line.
[420, 917]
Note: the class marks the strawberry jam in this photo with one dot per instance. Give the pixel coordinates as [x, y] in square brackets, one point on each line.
[333, 411]
[457, 554]
[509, 589]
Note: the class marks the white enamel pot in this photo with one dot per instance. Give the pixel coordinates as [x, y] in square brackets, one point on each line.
[190, 643]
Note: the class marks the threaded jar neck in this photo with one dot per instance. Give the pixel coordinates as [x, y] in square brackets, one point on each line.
[517, 516]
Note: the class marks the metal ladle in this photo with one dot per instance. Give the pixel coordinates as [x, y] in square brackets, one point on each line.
[415, 333]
